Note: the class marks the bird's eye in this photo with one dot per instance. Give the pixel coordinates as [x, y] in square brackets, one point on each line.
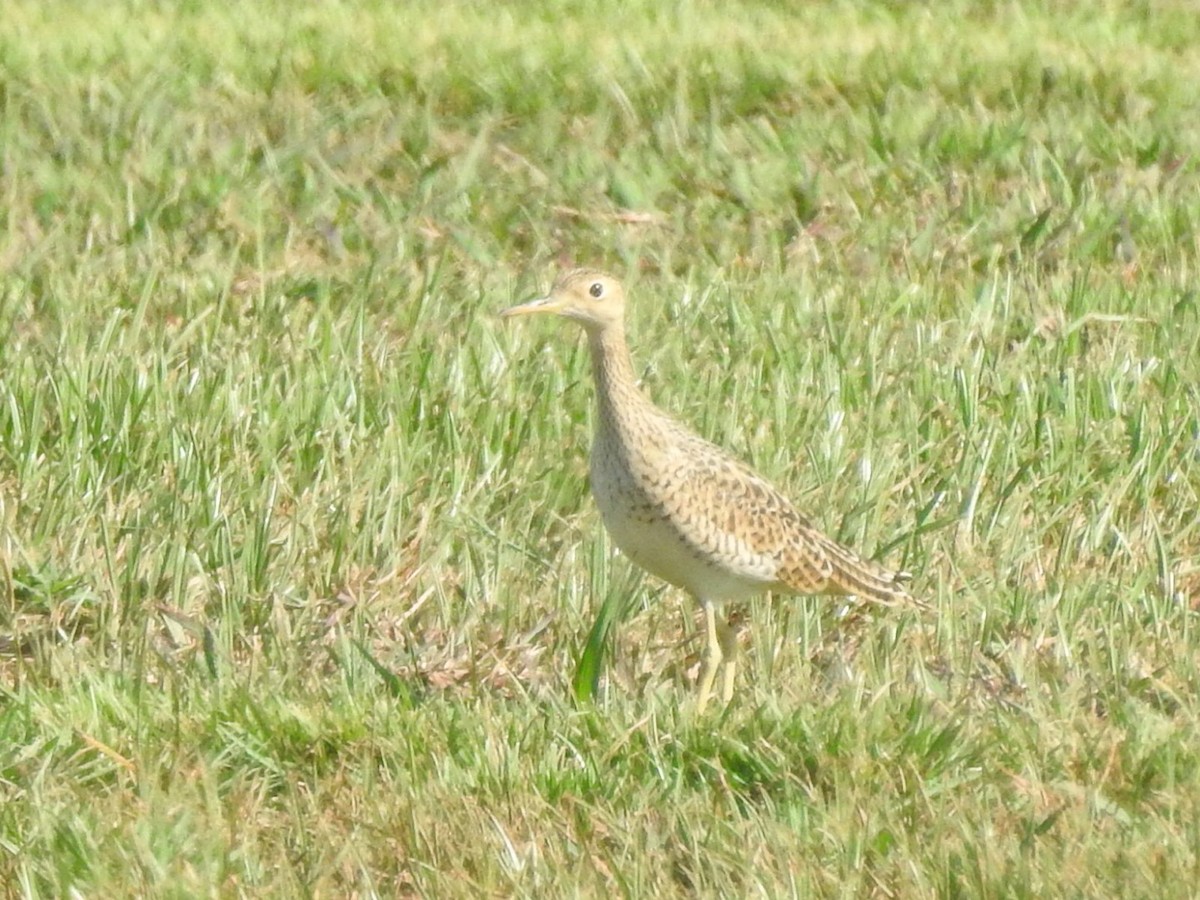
[596, 289]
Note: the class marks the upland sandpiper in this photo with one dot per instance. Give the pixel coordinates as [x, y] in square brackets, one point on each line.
[682, 508]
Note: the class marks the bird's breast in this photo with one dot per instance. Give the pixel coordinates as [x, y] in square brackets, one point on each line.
[640, 500]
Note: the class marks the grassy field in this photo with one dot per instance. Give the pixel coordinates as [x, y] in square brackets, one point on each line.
[296, 553]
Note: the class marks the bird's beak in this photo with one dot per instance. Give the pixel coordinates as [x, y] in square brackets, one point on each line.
[540, 305]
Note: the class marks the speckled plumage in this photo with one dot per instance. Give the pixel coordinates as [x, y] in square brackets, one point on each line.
[682, 508]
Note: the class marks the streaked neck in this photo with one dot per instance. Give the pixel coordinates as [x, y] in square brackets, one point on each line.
[617, 392]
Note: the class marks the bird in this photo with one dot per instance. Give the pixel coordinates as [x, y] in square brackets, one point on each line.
[683, 509]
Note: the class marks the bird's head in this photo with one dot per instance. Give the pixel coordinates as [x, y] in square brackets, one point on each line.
[594, 299]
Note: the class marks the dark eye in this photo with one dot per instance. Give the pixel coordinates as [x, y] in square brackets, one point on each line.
[596, 289]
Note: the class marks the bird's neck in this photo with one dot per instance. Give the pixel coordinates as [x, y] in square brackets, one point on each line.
[617, 392]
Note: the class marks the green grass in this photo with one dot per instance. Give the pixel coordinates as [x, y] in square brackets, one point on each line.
[296, 554]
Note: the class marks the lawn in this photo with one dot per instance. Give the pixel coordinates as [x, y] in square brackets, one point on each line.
[297, 558]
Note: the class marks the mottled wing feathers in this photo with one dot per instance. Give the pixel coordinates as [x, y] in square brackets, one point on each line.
[733, 516]
[736, 514]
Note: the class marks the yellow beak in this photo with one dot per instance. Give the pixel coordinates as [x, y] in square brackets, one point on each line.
[540, 305]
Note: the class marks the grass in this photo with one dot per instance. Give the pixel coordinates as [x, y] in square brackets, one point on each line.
[296, 555]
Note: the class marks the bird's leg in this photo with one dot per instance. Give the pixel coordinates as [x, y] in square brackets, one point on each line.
[727, 638]
[712, 656]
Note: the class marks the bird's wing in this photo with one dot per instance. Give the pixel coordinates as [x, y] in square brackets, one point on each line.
[735, 517]
[738, 515]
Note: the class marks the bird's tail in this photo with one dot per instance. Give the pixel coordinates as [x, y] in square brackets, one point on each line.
[869, 580]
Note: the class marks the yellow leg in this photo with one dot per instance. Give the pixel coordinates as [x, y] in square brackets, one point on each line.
[728, 641]
[712, 656]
